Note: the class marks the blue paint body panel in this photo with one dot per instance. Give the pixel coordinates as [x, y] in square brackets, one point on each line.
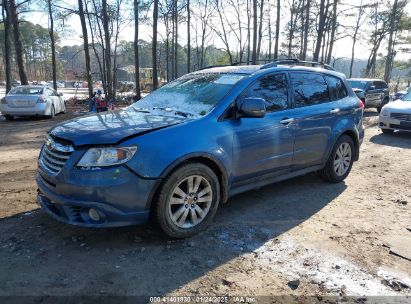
[245, 150]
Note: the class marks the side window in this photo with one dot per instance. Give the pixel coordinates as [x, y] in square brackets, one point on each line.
[273, 89]
[379, 85]
[382, 85]
[337, 87]
[309, 89]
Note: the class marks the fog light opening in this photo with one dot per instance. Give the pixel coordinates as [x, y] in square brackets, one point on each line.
[94, 215]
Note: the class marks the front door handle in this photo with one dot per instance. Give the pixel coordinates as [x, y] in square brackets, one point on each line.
[286, 121]
[333, 111]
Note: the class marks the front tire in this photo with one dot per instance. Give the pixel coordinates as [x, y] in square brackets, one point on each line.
[52, 112]
[8, 117]
[340, 161]
[188, 201]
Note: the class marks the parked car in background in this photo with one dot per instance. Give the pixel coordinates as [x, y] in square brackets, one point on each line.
[32, 101]
[400, 94]
[188, 146]
[374, 93]
[15, 83]
[396, 115]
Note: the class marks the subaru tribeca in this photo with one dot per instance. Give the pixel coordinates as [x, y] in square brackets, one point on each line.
[177, 154]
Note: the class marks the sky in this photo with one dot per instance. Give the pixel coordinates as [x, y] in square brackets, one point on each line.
[73, 37]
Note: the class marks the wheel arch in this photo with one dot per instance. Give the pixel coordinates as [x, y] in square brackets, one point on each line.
[207, 159]
[354, 137]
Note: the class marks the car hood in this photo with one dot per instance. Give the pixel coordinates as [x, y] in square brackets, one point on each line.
[399, 105]
[111, 127]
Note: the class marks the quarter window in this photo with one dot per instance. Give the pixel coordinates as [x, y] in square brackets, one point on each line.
[337, 87]
[273, 89]
[309, 89]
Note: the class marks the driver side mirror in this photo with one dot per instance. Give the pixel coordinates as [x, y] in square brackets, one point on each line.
[251, 107]
[60, 94]
[371, 88]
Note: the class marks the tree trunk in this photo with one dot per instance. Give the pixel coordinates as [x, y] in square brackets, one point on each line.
[18, 46]
[277, 29]
[7, 50]
[291, 33]
[255, 17]
[390, 55]
[136, 54]
[53, 46]
[175, 40]
[306, 29]
[248, 30]
[93, 45]
[188, 38]
[85, 45]
[320, 31]
[260, 28]
[154, 45]
[107, 50]
[333, 29]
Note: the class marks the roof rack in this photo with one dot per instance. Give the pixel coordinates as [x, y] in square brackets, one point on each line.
[295, 61]
[233, 64]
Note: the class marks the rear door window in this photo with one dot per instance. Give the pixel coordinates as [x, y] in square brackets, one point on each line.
[309, 89]
[337, 87]
[273, 89]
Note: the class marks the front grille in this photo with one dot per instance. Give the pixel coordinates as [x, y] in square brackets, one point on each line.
[401, 116]
[55, 155]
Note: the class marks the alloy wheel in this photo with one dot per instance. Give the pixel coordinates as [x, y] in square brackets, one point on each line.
[342, 159]
[190, 201]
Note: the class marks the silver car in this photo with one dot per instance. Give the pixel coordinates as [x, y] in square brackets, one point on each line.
[30, 100]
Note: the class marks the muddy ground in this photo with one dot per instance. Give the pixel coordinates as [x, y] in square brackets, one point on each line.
[299, 237]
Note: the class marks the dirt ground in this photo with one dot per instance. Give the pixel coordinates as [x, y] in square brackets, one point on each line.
[299, 237]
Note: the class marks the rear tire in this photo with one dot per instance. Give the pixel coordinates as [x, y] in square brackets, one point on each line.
[384, 102]
[188, 201]
[340, 161]
[9, 117]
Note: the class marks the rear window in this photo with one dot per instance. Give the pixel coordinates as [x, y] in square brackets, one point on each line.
[337, 87]
[26, 91]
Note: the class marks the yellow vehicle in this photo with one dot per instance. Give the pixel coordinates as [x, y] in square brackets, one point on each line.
[146, 78]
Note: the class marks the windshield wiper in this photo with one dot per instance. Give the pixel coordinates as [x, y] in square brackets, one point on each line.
[176, 112]
[141, 110]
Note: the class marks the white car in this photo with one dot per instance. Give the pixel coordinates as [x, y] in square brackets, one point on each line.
[396, 115]
[29, 100]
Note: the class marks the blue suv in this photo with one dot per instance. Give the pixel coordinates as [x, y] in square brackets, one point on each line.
[187, 147]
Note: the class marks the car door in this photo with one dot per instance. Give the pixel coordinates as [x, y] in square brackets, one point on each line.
[264, 145]
[315, 116]
[373, 94]
[56, 100]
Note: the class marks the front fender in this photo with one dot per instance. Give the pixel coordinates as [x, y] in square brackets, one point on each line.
[160, 151]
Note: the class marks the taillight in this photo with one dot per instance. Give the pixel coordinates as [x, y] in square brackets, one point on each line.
[362, 103]
[3, 100]
[42, 99]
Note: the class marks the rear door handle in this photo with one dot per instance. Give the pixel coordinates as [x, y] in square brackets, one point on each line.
[286, 121]
[333, 111]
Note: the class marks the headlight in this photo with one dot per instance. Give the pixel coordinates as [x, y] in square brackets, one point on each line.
[104, 157]
[384, 112]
